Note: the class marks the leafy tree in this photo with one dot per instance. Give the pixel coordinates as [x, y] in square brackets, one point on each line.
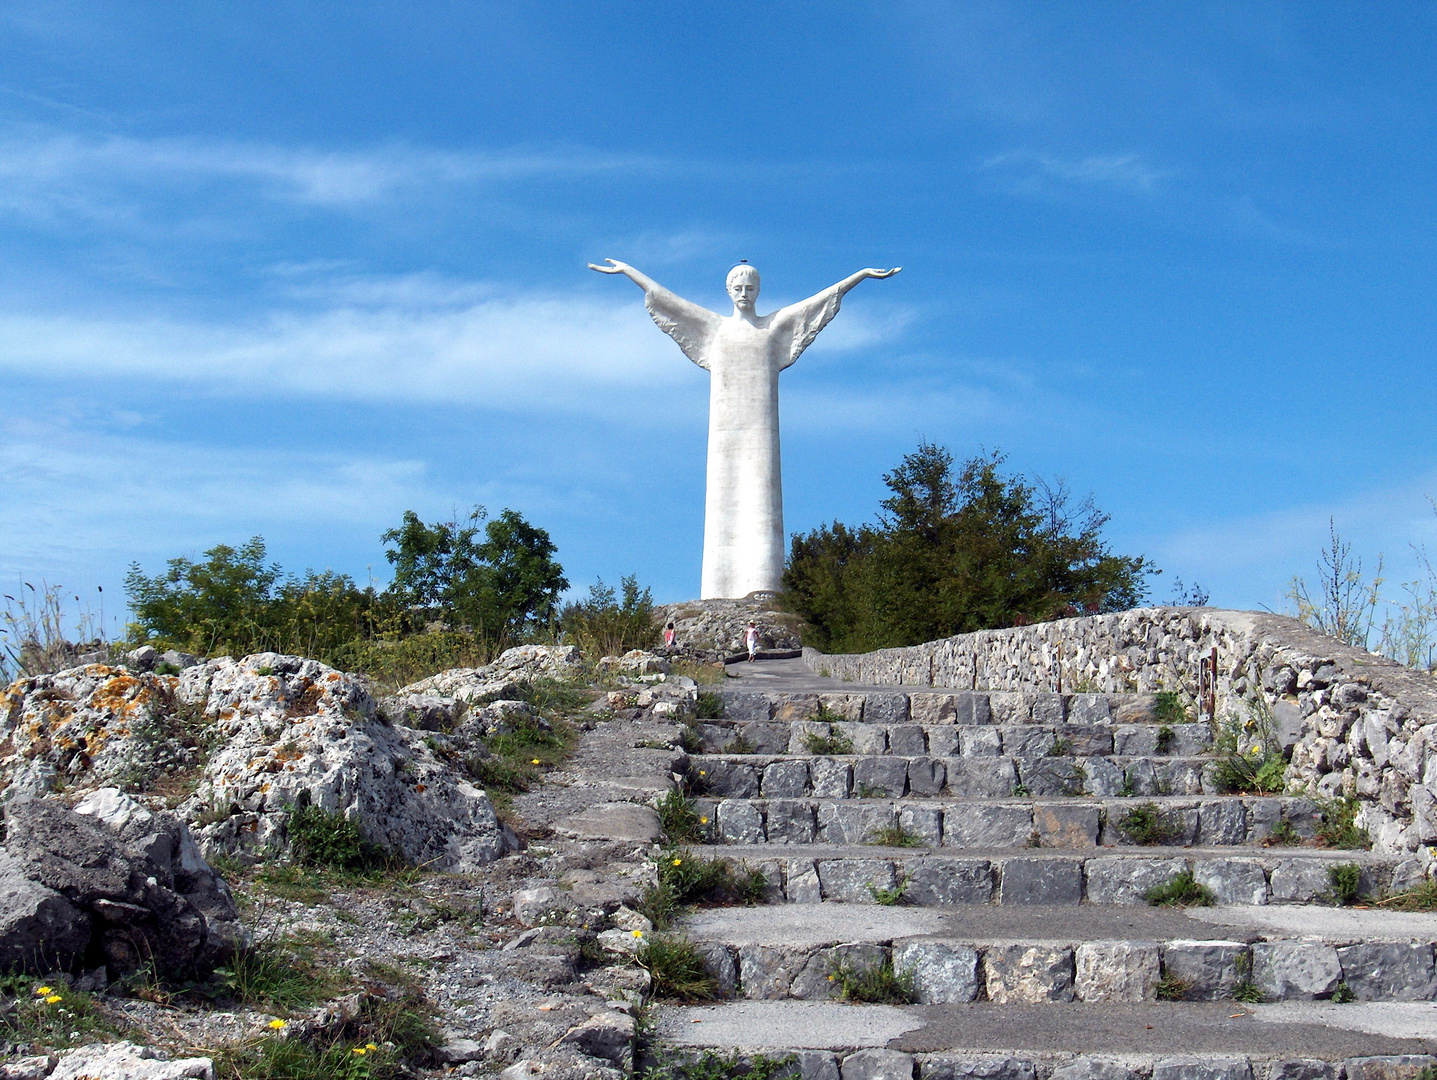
[604, 625]
[952, 554]
[500, 587]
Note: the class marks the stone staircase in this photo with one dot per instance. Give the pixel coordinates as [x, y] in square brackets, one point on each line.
[988, 855]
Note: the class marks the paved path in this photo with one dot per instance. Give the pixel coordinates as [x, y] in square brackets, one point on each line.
[794, 677]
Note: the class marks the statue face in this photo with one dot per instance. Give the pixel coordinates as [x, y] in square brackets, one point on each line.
[743, 289]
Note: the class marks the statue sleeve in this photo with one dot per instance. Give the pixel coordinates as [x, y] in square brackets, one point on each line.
[688, 324]
[805, 319]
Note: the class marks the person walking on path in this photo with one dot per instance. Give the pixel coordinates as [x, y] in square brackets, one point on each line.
[750, 638]
[669, 636]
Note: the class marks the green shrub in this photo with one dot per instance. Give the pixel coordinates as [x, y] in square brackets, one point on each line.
[679, 819]
[712, 1065]
[684, 878]
[605, 625]
[1171, 708]
[876, 984]
[1148, 825]
[1181, 891]
[890, 896]
[1166, 737]
[332, 841]
[676, 968]
[827, 745]
[1339, 828]
[1346, 882]
[1173, 988]
[1421, 897]
[1283, 835]
[709, 706]
[1249, 757]
[1342, 994]
[895, 835]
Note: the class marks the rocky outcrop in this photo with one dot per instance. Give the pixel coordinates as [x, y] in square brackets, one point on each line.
[110, 883]
[718, 626]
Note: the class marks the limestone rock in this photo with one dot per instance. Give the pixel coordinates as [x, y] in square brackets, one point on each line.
[612, 821]
[877, 1065]
[40, 930]
[1117, 970]
[608, 1035]
[1202, 1068]
[1028, 974]
[943, 972]
[1088, 1068]
[1295, 970]
[126, 1061]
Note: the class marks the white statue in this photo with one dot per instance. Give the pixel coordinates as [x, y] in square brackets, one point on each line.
[743, 352]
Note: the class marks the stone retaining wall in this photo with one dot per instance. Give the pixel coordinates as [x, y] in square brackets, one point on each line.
[1356, 724]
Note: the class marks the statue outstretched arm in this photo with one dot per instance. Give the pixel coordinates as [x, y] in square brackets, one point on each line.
[687, 323]
[807, 317]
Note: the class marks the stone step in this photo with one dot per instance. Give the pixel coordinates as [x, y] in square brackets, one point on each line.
[850, 874]
[946, 707]
[894, 775]
[1012, 822]
[1089, 953]
[952, 740]
[1057, 1041]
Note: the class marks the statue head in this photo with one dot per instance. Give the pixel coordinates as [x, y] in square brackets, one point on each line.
[742, 286]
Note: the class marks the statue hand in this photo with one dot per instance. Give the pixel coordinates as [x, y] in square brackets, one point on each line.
[614, 267]
[871, 272]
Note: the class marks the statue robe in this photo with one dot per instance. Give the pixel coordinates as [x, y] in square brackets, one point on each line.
[743, 505]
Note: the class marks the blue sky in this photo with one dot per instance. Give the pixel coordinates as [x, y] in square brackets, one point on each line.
[290, 269]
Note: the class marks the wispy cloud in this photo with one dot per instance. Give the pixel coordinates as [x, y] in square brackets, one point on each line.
[1032, 168]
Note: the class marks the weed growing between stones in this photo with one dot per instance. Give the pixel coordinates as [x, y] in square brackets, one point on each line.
[1346, 882]
[709, 705]
[684, 879]
[1419, 898]
[518, 759]
[1283, 835]
[827, 745]
[870, 791]
[1339, 828]
[890, 896]
[331, 841]
[1342, 994]
[1147, 825]
[703, 674]
[676, 968]
[1245, 990]
[48, 1016]
[1173, 988]
[280, 975]
[739, 745]
[1171, 708]
[279, 1058]
[1249, 760]
[711, 1065]
[680, 820]
[895, 835]
[880, 984]
[690, 741]
[1061, 747]
[1181, 891]
[1166, 737]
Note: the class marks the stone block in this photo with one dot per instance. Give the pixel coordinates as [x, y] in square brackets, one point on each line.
[816, 982]
[789, 821]
[990, 825]
[536, 905]
[765, 972]
[715, 737]
[848, 706]
[1135, 709]
[1027, 744]
[1207, 1067]
[946, 1067]
[981, 741]
[1086, 741]
[739, 822]
[924, 822]
[1302, 1069]
[1089, 709]
[790, 707]
[885, 709]
[1010, 707]
[801, 884]
[866, 738]
[784, 780]
[1190, 740]
[830, 778]
[1028, 974]
[1138, 740]
[847, 880]
[1262, 818]
[972, 708]
[907, 739]
[980, 777]
[880, 777]
[1041, 881]
[1178, 777]
[1222, 822]
[1298, 880]
[769, 738]
[728, 779]
[1049, 708]
[852, 823]
[926, 776]
[1390, 1067]
[745, 705]
[1211, 968]
[1232, 881]
[1060, 825]
[1053, 777]
[944, 972]
[944, 882]
[932, 708]
[810, 1065]
[1105, 777]
[1122, 880]
[1295, 970]
[1388, 971]
[878, 1065]
[1090, 1068]
[941, 740]
[797, 732]
[1140, 776]
[720, 964]
[1117, 971]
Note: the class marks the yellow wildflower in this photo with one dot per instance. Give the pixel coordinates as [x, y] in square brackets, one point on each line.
[638, 933]
[361, 1051]
[534, 762]
[52, 999]
[43, 991]
[370, 1046]
[678, 862]
[703, 821]
[702, 772]
[279, 1024]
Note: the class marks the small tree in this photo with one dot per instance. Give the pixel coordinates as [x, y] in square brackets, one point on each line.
[603, 625]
